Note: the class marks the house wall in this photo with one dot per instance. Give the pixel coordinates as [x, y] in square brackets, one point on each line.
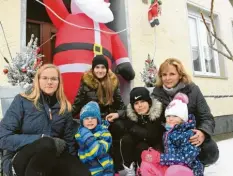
[10, 17]
[171, 39]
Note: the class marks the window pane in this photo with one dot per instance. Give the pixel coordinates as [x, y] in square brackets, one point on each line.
[194, 44]
[208, 52]
[32, 28]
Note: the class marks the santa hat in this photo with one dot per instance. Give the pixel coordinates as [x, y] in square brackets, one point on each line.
[91, 109]
[178, 107]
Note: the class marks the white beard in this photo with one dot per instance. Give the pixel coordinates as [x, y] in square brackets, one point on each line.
[97, 10]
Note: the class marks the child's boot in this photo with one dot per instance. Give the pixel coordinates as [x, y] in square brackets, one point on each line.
[130, 171]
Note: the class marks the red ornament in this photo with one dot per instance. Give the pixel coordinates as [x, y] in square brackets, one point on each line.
[24, 70]
[38, 61]
[5, 71]
[151, 70]
[38, 50]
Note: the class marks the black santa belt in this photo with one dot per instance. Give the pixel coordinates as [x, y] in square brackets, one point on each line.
[96, 48]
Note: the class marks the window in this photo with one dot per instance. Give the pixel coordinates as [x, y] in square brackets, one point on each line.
[205, 60]
[32, 28]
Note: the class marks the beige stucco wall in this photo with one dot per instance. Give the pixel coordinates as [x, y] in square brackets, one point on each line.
[171, 39]
[10, 19]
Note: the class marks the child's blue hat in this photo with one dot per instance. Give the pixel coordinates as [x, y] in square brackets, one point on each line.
[91, 109]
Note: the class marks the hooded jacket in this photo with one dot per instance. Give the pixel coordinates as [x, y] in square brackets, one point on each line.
[147, 128]
[94, 143]
[88, 92]
[93, 149]
[178, 150]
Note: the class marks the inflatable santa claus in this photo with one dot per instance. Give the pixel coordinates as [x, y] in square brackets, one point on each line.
[82, 35]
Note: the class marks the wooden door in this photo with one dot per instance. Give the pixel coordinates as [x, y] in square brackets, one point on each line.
[44, 32]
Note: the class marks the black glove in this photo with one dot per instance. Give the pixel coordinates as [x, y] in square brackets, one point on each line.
[126, 71]
[60, 144]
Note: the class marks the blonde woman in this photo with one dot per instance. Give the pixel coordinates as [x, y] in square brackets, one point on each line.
[173, 78]
[36, 131]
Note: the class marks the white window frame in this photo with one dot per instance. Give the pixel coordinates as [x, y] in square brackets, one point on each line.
[198, 20]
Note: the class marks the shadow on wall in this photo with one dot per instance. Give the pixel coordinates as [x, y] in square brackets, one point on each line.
[120, 22]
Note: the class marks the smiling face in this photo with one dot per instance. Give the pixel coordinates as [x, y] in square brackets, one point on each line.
[90, 122]
[100, 71]
[49, 81]
[141, 107]
[170, 76]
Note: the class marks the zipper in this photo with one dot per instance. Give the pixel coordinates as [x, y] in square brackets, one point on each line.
[143, 120]
[50, 114]
[166, 140]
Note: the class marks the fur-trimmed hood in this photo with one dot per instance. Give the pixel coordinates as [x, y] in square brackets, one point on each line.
[91, 81]
[154, 112]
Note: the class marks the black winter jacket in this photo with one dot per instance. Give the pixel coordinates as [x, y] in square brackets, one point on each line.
[197, 105]
[147, 128]
[88, 92]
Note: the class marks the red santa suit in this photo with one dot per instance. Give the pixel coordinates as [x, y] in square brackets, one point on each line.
[75, 47]
[154, 12]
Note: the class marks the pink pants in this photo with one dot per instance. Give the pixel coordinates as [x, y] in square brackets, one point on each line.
[175, 170]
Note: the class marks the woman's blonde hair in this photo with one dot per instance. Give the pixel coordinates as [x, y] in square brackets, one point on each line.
[105, 89]
[185, 78]
[34, 95]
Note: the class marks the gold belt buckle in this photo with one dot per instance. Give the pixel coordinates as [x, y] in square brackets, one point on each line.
[98, 49]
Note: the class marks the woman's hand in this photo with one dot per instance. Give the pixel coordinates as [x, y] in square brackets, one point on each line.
[198, 138]
[111, 117]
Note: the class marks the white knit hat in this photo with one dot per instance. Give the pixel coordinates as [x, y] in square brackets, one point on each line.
[177, 108]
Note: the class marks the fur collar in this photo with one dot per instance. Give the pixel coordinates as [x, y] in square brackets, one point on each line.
[92, 82]
[154, 113]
